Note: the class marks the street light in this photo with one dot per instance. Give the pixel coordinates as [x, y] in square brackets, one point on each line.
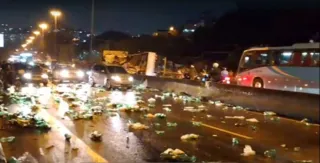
[32, 37]
[171, 28]
[55, 14]
[37, 33]
[43, 26]
[24, 45]
[29, 41]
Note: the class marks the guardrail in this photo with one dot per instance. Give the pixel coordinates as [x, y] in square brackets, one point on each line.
[289, 104]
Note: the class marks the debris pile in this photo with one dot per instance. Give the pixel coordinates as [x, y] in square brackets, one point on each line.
[177, 155]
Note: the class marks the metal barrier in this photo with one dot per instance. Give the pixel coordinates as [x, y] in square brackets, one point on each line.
[289, 104]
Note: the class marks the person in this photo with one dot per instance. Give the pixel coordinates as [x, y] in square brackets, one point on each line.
[215, 73]
[224, 73]
[193, 72]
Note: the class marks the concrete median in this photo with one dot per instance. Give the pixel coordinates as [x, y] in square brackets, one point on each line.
[288, 104]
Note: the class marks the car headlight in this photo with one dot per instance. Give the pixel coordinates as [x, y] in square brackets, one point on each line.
[80, 74]
[27, 75]
[116, 78]
[64, 73]
[44, 76]
[130, 78]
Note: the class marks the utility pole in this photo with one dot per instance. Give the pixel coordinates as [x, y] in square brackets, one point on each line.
[92, 27]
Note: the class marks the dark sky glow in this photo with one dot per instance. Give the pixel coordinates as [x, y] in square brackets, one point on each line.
[124, 15]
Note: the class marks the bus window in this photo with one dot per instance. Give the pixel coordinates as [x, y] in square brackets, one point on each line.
[262, 59]
[296, 59]
[285, 58]
[315, 56]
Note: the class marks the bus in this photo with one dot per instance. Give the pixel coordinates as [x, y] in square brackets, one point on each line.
[288, 68]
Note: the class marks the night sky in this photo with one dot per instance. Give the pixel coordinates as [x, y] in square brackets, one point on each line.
[133, 16]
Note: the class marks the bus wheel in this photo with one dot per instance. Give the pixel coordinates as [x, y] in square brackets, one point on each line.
[257, 83]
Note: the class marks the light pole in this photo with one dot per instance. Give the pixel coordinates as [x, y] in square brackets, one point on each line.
[92, 27]
[55, 14]
[43, 27]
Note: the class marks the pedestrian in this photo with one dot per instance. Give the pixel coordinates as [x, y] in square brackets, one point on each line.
[224, 73]
[215, 73]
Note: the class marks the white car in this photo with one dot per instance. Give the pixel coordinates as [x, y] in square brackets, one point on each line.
[110, 76]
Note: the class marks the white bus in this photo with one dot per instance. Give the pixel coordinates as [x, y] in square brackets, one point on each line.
[290, 68]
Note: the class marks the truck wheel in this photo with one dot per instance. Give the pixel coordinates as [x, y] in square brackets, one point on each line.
[257, 83]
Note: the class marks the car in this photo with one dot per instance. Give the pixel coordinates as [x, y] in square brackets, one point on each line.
[67, 73]
[110, 76]
[20, 74]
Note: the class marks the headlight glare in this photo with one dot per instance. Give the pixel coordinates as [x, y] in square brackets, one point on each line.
[64, 73]
[44, 76]
[80, 74]
[27, 75]
[116, 78]
[130, 78]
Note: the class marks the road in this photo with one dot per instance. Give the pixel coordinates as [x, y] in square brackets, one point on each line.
[121, 144]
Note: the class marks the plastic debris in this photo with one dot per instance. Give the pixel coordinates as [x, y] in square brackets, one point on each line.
[138, 126]
[234, 117]
[270, 153]
[209, 116]
[269, 113]
[151, 100]
[150, 115]
[9, 139]
[192, 109]
[159, 132]
[296, 149]
[303, 161]
[167, 105]
[194, 123]
[167, 109]
[252, 120]
[157, 124]
[235, 141]
[218, 103]
[160, 115]
[247, 151]
[2, 155]
[283, 145]
[237, 108]
[172, 124]
[96, 136]
[215, 135]
[189, 137]
[176, 155]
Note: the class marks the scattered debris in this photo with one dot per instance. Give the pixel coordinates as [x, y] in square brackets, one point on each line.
[270, 153]
[149, 115]
[234, 117]
[252, 120]
[189, 137]
[283, 145]
[159, 132]
[138, 126]
[9, 139]
[296, 149]
[235, 141]
[172, 124]
[303, 161]
[96, 136]
[269, 113]
[192, 109]
[67, 137]
[151, 100]
[194, 123]
[2, 155]
[247, 151]
[160, 115]
[167, 105]
[215, 135]
[176, 155]
[209, 116]
[167, 109]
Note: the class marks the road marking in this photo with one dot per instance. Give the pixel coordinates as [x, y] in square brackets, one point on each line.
[95, 157]
[226, 131]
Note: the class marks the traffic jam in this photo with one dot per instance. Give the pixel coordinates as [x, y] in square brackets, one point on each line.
[101, 109]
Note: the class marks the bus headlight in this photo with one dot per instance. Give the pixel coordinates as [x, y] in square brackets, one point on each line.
[64, 73]
[44, 76]
[27, 75]
[116, 78]
[130, 79]
[80, 74]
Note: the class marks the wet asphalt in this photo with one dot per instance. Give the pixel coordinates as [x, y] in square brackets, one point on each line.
[121, 144]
